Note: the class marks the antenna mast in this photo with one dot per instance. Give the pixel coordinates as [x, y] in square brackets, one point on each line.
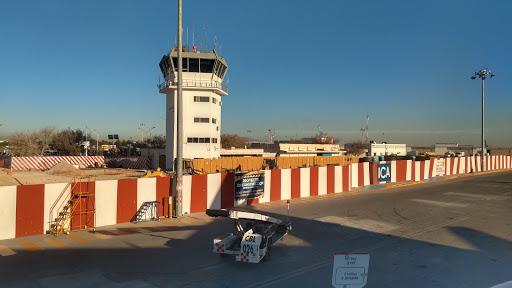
[367, 120]
[205, 40]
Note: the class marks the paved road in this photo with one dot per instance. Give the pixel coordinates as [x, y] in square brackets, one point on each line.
[454, 232]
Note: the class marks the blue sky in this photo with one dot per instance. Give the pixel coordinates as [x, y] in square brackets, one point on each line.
[293, 66]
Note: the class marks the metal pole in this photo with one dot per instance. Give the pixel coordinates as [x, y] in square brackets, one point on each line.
[483, 129]
[179, 140]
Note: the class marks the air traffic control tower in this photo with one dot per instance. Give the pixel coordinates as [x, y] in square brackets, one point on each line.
[202, 90]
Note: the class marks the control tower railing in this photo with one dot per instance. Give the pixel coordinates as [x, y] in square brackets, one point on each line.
[194, 83]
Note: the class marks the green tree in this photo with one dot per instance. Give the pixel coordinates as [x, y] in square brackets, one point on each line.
[66, 143]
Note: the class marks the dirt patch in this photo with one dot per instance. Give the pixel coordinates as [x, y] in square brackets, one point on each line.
[63, 167]
[64, 174]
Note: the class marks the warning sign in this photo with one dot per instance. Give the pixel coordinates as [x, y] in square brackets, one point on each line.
[350, 269]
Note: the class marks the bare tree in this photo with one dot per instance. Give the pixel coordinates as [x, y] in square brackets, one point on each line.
[24, 144]
[357, 148]
[66, 142]
[156, 141]
[232, 140]
[44, 137]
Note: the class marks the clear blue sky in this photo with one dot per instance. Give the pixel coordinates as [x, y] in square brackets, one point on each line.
[293, 66]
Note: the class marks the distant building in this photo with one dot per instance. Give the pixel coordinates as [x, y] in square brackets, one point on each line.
[382, 149]
[300, 149]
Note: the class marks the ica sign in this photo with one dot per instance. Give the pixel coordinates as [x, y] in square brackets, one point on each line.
[384, 172]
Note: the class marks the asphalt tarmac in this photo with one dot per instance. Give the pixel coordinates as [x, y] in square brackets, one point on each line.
[452, 232]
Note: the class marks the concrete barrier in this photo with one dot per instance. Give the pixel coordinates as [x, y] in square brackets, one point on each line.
[25, 208]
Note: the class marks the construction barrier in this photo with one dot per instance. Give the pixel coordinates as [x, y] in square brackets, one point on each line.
[117, 201]
[129, 162]
[47, 162]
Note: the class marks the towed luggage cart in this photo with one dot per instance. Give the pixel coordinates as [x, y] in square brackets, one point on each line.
[255, 241]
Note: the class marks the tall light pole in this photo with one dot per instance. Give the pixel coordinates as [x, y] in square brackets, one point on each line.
[483, 74]
[148, 132]
[179, 116]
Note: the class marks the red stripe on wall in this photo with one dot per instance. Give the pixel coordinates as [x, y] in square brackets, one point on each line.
[126, 200]
[313, 181]
[431, 169]
[330, 179]
[227, 190]
[401, 170]
[360, 174]
[198, 193]
[295, 183]
[29, 210]
[346, 178]
[413, 167]
[373, 173]
[163, 191]
[275, 184]
[422, 170]
[253, 201]
[83, 215]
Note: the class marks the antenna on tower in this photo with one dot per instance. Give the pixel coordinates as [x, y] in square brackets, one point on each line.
[192, 35]
[367, 120]
[215, 43]
[205, 40]
[187, 36]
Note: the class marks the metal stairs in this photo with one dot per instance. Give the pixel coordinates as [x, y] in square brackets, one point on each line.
[147, 211]
[70, 212]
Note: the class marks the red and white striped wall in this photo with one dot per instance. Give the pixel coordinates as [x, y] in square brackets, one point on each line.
[216, 191]
[47, 162]
[360, 174]
[25, 209]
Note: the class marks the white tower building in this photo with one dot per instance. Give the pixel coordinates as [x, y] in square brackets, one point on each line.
[203, 74]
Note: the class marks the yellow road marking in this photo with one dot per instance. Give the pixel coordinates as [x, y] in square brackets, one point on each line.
[55, 242]
[172, 223]
[78, 239]
[100, 235]
[202, 219]
[158, 227]
[187, 221]
[31, 246]
[139, 230]
[6, 251]
[404, 184]
[121, 232]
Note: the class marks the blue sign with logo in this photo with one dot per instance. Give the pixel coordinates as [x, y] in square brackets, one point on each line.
[384, 172]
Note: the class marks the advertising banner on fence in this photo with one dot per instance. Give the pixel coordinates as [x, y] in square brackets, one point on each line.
[249, 185]
[440, 168]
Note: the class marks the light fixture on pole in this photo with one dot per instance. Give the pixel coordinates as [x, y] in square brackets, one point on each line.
[148, 132]
[483, 75]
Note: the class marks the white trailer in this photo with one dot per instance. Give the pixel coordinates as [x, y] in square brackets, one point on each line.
[255, 241]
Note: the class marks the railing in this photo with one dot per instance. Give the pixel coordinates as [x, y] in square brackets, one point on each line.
[194, 83]
[51, 216]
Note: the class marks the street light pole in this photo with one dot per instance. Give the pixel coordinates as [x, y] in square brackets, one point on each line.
[483, 75]
[179, 116]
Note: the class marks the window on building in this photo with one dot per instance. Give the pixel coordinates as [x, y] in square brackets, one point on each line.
[206, 65]
[193, 65]
[214, 100]
[214, 121]
[201, 120]
[192, 140]
[214, 140]
[201, 99]
[206, 140]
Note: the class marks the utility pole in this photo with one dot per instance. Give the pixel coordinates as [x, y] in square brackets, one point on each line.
[179, 140]
[483, 75]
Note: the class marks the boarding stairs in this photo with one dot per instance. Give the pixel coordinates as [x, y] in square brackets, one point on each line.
[73, 207]
[148, 211]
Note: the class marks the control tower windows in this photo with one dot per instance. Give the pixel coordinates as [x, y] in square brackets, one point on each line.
[193, 65]
[201, 99]
[206, 65]
[184, 64]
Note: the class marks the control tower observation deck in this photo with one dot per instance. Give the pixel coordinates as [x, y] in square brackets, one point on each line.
[203, 74]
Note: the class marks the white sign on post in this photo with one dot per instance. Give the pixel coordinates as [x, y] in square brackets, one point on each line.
[350, 270]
